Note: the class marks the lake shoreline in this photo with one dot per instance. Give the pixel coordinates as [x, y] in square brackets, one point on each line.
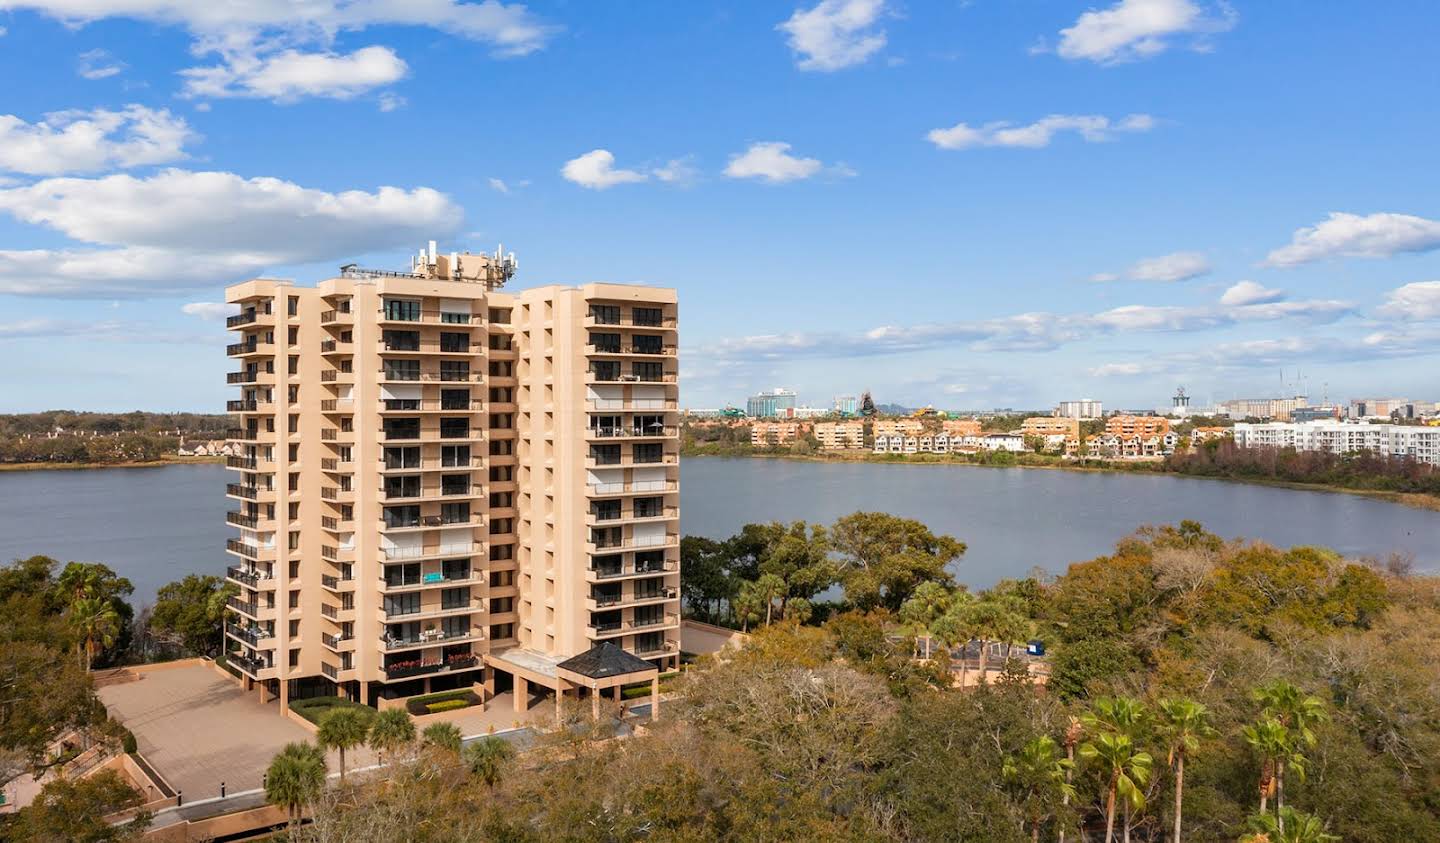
[1415, 500]
[91, 466]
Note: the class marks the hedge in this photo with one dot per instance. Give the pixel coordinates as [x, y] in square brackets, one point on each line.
[314, 708]
[638, 691]
[422, 704]
[447, 705]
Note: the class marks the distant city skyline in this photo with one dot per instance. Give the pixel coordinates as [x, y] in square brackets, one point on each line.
[1161, 192]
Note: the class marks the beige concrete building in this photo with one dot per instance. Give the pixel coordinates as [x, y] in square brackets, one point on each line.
[763, 434]
[959, 428]
[442, 484]
[899, 427]
[1126, 426]
[841, 436]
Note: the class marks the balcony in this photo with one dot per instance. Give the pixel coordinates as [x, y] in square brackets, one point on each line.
[434, 348]
[630, 516]
[247, 550]
[254, 668]
[600, 490]
[337, 643]
[611, 629]
[434, 493]
[251, 609]
[431, 522]
[393, 643]
[434, 610]
[250, 346]
[241, 377]
[611, 349]
[631, 404]
[664, 323]
[406, 405]
[337, 584]
[249, 317]
[240, 519]
[433, 579]
[413, 554]
[339, 316]
[246, 576]
[629, 460]
[632, 432]
[339, 614]
[432, 317]
[597, 573]
[420, 667]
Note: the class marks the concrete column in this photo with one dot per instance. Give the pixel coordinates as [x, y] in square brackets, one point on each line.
[655, 698]
[595, 703]
[364, 691]
[284, 693]
[522, 695]
[559, 697]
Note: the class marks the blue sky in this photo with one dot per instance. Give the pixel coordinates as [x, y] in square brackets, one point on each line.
[971, 204]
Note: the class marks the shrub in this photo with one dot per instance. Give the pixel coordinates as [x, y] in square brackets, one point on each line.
[447, 705]
[421, 704]
[128, 743]
[314, 708]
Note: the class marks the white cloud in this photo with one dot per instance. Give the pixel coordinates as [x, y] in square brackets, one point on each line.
[268, 45]
[1090, 127]
[1351, 235]
[290, 75]
[771, 161]
[678, 171]
[180, 230]
[1249, 292]
[1419, 301]
[596, 170]
[391, 102]
[1176, 266]
[1130, 369]
[499, 185]
[98, 64]
[835, 34]
[210, 311]
[87, 141]
[1139, 29]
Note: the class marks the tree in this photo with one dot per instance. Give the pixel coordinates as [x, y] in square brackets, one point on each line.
[1270, 740]
[1040, 778]
[443, 736]
[93, 581]
[996, 618]
[1287, 825]
[1126, 770]
[1122, 717]
[929, 602]
[295, 778]
[488, 758]
[74, 811]
[706, 582]
[193, 610]
[343, 728]
[759, 596]
[392, 730]
[885, 557]
[96, 625]
[1298, 713]
[799, 555]
[1183, 722]
[956, 628]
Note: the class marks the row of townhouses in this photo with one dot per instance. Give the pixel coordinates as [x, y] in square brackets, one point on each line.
[1417, 442]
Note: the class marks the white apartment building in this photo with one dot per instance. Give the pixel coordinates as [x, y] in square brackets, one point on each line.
[1084, 408]
[1421, 444]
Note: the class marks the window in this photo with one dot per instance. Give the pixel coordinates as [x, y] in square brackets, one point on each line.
[455, 569]
[292, 305]
[454, 484]
[402, 370]
[402, 458]
[605, 370]
[451, 341]
[501, 342]
[652, 372]
[605, 621]
[451, 318]
[402, 516]
[402, 310]
[454, 370]
[605, 454]
[454, 513]
[402, 604]
[501, 526]
[502, 500]
[401, 340]
[652, 317]
[500, 315]
[293, 335]
[648, 344]
[649, 561]
[501, 553]
[605, 314]
[501, 579]
[649, 507]
[649, 453]
[502, 473]
[405, 486]
[502, 604]
[605, 510]
[402, 403]
[398, 575]
[606, 537]
[501, 631]
[650, 642]
[605, 342]
[454, 456]
[455, 598]
[402, 428]
[453, 428]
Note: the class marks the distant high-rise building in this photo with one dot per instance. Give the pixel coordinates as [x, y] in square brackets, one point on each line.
[769, 405]
[846, 404]
[1084, 408]
[1262, 408]
[867, 404]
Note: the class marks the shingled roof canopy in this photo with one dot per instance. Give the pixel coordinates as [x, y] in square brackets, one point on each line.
[606, 660]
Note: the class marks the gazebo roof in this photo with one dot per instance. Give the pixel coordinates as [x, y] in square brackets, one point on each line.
[606, 660]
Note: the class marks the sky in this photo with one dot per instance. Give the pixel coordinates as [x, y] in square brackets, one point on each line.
[993, 203]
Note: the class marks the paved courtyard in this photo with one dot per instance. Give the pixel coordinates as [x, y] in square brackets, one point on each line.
[197, 729]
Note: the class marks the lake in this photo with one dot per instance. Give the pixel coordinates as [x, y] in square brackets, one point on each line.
[155, 525]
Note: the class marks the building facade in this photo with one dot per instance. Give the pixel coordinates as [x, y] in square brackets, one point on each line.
[764, 434]
[1059, 432]
[777, 403]
[1083, 409]
[1262, 408]
[1418, 442]
[441, 484]
[841, 436]
[1137, 425]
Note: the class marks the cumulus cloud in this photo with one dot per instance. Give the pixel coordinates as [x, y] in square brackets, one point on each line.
[835, 34]
[1352, 235]
[291, 75]
[98, 64]
[1139, 29]
[678, 171]
[596, 170]
[271, 45]
[179, 230]
[88, 141]
[1176, 266]
[210, 311]
[1418, 301]
[1248, 292]
[1128, 369]
[1090, 127]
[772, 162]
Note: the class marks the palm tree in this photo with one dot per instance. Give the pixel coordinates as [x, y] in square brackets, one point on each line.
[341, 729]
[1119, 716]
[1073, 733]
[928, 602]
[1270, 740]
[444, 736]
[96, 625]
[1038, 774]
[1183, 722]
[392, 730]
[955, 629]
[1298, 712]
[488, 757]
[1288, 825]
[1127, 768]
[295, 778]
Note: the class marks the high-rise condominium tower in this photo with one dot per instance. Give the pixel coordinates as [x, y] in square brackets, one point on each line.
[446, 485]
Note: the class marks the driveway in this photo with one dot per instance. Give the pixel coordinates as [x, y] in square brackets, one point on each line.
[197, 729]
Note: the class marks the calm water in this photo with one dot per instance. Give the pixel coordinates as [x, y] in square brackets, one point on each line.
[155, 525]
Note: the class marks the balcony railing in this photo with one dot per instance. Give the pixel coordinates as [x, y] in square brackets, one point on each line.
[241, 319]
[249, 577]
[403, 670]
[397, 642]
[334, 641]
[247, 664]
[250, 634]
[398, 553]
[240, 519]
[241, 491]
[245, 405]
[246, 549]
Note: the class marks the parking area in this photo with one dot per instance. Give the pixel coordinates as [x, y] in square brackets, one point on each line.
[198, 728]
